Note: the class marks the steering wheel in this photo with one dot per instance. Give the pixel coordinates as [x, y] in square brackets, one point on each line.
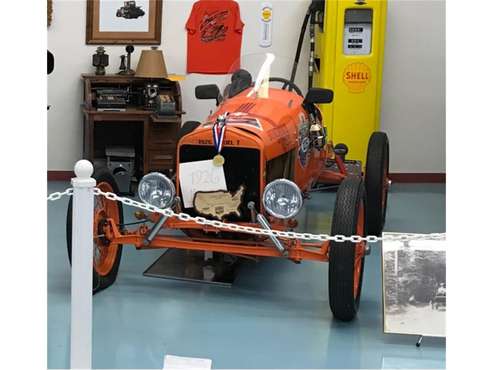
[287, 83]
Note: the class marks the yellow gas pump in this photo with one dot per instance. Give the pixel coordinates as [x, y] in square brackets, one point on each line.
[349, 47]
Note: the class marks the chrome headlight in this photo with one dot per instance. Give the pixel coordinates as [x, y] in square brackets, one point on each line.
[282, 199]
[157, 190]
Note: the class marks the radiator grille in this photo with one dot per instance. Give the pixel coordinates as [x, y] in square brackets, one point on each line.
[241, 167]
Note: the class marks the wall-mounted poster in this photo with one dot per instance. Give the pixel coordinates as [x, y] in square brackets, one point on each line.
[414, 287]
[123, 22]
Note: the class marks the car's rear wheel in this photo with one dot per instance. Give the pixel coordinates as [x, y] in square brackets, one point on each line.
[377, 182]
[106, 258]
[347, 259]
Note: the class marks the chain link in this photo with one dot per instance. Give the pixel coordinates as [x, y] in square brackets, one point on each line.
[264, 232]
[57, 195]
[255, 230]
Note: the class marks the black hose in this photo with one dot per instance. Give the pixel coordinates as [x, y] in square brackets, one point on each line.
[315, 6]
[300, 44]
[311, 64]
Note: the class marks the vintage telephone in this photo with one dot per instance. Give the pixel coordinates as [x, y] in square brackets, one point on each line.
[151, 92]
[125, 62]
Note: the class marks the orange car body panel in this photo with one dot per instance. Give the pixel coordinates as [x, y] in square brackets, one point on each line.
[279, 117]
[276, 131]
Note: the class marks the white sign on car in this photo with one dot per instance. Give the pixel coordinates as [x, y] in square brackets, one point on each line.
[200, 176]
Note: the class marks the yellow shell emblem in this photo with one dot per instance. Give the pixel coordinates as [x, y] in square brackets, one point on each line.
[356, 77]
[266, 14]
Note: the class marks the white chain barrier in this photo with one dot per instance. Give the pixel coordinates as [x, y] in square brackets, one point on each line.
[57, 195]
[401, 237]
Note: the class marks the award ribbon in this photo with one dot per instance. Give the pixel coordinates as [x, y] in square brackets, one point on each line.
[218, 131]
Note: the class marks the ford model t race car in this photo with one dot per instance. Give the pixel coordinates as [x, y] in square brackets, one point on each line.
[250, 166]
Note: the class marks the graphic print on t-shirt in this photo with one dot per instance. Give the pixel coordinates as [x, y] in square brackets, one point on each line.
[215, 30]
[213, 26]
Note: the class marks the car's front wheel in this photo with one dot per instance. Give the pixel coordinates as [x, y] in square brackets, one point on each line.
[106, 258]
[347, 259]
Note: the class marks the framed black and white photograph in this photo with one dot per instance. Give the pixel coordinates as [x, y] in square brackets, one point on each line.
[123, 22]
[414, 287]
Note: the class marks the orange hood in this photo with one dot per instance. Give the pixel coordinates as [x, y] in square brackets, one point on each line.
[270, 124]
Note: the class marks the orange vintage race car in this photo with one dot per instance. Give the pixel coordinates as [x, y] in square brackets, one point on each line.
[252, 163]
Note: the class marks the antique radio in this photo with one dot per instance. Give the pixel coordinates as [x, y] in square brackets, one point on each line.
[111, 98]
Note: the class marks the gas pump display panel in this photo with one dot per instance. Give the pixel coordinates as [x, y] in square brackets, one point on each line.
[357, 31]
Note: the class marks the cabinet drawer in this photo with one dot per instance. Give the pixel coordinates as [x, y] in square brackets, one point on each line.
[162, 146]
[160, 159]
[162, 134]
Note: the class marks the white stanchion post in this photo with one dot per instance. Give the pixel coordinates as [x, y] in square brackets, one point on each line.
[82, 262]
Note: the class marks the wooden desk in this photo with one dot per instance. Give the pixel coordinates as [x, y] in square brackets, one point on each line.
[153, 137]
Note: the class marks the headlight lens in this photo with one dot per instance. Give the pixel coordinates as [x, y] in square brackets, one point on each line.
[157, 190]
[282, 199]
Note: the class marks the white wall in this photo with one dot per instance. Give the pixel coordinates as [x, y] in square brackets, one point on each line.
[413, 95]
[413, 92]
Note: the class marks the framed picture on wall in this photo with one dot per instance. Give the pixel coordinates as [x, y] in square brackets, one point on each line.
[49, 6]
[123, 22]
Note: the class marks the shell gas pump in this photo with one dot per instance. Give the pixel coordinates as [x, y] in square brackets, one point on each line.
[347, 51]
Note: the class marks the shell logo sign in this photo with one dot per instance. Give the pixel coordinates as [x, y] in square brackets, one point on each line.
[356, 77]
[266, 14]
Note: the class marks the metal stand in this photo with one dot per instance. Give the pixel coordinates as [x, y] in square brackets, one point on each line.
[418, 343]
[195, 266]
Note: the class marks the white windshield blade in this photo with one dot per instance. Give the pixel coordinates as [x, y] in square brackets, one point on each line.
[261, 88]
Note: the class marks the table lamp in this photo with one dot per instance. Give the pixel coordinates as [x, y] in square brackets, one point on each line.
[151, 65]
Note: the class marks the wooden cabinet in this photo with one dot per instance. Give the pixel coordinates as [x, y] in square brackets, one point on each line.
[152, 136]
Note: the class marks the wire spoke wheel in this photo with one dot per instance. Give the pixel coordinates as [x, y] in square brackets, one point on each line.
[106, 257]
[347, 259]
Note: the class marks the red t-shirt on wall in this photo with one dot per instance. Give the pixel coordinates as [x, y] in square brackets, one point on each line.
[214, 37]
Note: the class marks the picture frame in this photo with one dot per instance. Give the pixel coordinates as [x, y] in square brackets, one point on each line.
[414, 287]
[49, 8]
[136, 22]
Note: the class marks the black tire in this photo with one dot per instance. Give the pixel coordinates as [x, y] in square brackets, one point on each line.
[187, 128]
[376, 182]
[99, 282]
[343, 301]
